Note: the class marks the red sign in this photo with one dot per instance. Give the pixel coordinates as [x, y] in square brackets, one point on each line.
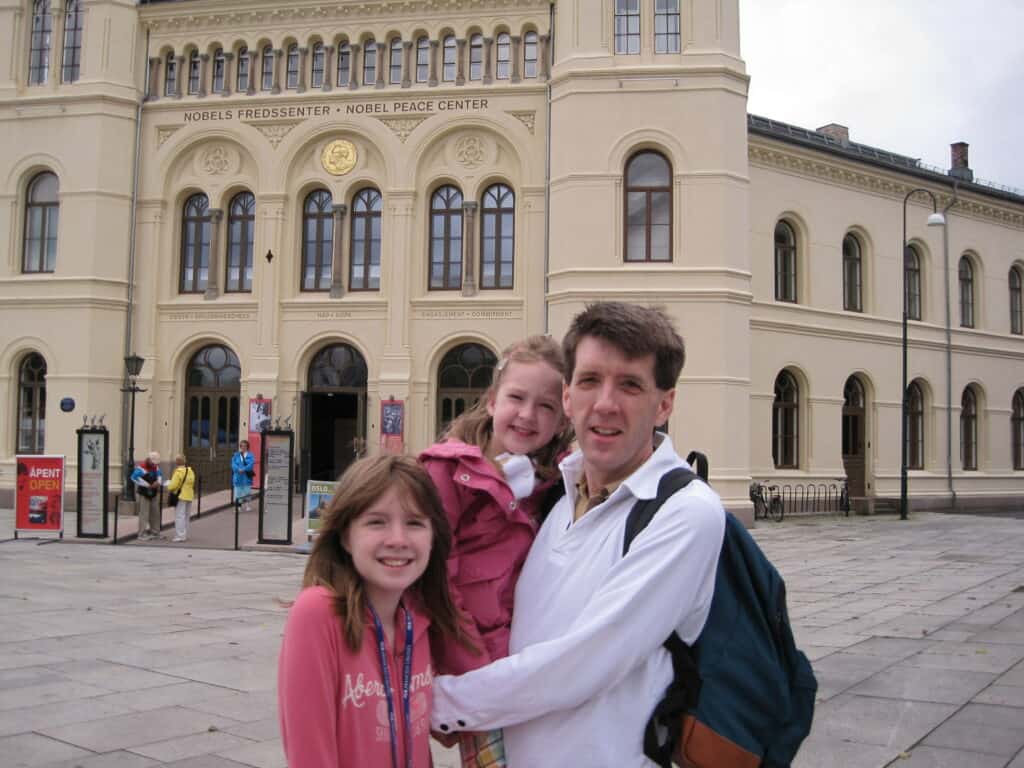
[39, 494]
[259, 420]
[392, 426]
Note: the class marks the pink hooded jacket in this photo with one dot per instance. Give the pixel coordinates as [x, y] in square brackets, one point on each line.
[331, 702]
[491, 535]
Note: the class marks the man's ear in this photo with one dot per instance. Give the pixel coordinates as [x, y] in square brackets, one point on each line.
[665, 405]
[566, 403]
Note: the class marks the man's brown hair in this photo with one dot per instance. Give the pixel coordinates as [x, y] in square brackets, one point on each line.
[636, 331]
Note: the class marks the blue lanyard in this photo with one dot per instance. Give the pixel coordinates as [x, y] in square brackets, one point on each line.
[389, 694]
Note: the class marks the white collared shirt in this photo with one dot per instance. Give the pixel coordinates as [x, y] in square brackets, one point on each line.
[586, 665]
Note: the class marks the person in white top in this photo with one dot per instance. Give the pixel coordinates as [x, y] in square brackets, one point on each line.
[586, 666]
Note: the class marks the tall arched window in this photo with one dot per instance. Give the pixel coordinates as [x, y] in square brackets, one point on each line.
[448, 60]
[462, 378]
[170, 75]
[853, 272]
[1016, 304]
[219, 66]
[503, 56]
[1017, 429]
[31, 405]
[242, 79]
[446, 239]
[422, 59]
[497, 237]
[193, 73]
[966, 274]
[195, 245]
[969, 430]
[369, 62]
[292, 68]
[267, 68]
[786, 422]
[648, 207]
[241, 226]
[785, 262]
[42, 214]
[915, 426]
[364, 262]
[317, 241]
[912, 282]
[344, 64]
[395, 61]
[39, 49]
[530, 54]
[316, 73]
[71, 60]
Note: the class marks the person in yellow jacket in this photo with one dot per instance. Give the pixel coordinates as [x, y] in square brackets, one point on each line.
[183, 482]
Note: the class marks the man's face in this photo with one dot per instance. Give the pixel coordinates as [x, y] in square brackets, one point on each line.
[614, 405]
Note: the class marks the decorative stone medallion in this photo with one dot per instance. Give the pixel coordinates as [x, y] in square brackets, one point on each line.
[339, 157]
[216, 161]
[470, 151]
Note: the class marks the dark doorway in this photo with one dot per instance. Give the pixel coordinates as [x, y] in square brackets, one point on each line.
[853, 436]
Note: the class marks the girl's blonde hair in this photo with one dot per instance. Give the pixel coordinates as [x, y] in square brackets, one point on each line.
[330, 565]
[476, 426]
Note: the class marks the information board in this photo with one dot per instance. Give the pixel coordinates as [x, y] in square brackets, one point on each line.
[93, 455]
[276, 501]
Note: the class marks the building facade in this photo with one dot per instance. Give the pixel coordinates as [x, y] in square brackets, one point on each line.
[336, 205]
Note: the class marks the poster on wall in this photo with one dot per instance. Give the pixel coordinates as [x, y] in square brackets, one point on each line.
[92, 482]
[276, 501]
[318, 496]
[259, 420]
[392, 426]
[39, 495]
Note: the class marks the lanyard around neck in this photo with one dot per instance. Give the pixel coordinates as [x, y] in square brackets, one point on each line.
[389, 694]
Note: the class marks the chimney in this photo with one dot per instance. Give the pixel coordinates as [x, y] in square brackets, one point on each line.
[838, 132]
[959, 167]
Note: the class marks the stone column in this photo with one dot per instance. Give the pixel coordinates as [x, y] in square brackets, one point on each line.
[328, 66]
[353, 66]
[228, 58]
[255, 72]
[460, 60]
[488, 67]
[543, 51]
[469, 248]
[432, 79]
[154, 78]
[303, 52]
[517, 55]
[204, 73]
[338, 251]
[407, 63]
[278, 60]
[213, 270]
[380, 65]
[180, 74]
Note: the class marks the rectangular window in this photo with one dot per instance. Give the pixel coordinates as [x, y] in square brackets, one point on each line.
[370, 63]
[666, 26]
[396, 62]
[242, 84]
[422, 60]
[627, 26]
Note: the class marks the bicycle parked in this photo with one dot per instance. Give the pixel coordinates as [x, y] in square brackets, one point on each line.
[767, 501]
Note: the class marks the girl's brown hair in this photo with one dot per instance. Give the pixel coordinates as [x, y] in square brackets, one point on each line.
[476, 426]
[330, 565]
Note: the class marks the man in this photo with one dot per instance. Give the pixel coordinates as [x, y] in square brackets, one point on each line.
[586, 666]
[148, 478]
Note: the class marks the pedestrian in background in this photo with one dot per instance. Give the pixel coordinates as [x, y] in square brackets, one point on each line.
[148, 479]
[242, 473]
[183, 488]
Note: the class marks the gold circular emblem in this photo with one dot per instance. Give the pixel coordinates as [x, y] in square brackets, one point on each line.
[339, 157]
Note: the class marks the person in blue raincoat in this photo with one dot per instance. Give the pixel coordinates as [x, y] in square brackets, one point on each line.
[242, 473]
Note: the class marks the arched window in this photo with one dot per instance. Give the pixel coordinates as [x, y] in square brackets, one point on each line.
[292, 68]
[195, 245]
[71, 59]
[497, 237]
[395, 62]
[31, 405]
[170, 75]
[42, 213]
[969, 430]
[530, 54]
[317, 241]
[915, 426]
[666, 26]
[503, 57]
[912, 282]
[338, 366]
[1017, 429]
[267, 64]
[242, 80]
[364, 262]
[39, 49]
[462, 378]
[648, 206]
[627, 26]
[446, 239]
[966, 272]
[1016, 305]
[369, 62]
[193, 73]
[449, 59]
[316, 73]
[422, 59]
[241, 226]
[786, 422]
[785, 262]
[852, 274]
[218, 70]
[344, 64]
[476, 56]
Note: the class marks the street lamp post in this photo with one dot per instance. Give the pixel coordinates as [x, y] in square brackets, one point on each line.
[936, 219]
[133, 365]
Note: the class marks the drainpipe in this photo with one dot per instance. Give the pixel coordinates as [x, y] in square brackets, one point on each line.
[547, 170]
[949, 350]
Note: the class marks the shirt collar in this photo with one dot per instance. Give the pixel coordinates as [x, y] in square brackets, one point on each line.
[643, 483]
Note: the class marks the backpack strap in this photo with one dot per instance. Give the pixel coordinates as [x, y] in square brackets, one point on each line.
[645, 509]
[551, 497]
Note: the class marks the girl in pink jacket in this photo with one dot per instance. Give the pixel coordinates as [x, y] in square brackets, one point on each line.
[355, 674]
[492, 468]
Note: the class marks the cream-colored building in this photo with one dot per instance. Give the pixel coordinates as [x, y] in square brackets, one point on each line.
[335, 204]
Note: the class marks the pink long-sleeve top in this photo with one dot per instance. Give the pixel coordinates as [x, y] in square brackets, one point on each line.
[492, 533]
[331, 701]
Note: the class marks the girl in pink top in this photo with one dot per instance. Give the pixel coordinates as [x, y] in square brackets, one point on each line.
[492, 468]
[354, 674]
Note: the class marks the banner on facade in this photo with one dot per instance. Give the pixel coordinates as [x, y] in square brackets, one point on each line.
[93, 455]
[318, 496]
[392, 426]
[276, 501]
[259, 420]
[39, 494]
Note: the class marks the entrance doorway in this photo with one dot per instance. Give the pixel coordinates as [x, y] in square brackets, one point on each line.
[212, 388]
[853, 436]
[333, 413]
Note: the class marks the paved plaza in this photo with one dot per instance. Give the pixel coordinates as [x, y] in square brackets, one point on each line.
[136, 656]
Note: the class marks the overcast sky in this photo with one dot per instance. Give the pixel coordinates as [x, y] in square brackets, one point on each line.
[908, 76]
